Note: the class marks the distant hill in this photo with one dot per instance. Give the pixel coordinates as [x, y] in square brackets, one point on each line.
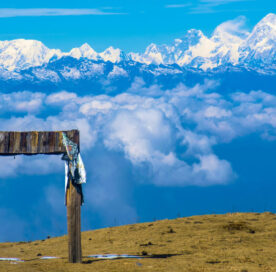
[229, 242]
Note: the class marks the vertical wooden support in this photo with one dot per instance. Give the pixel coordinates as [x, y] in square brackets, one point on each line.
[50, 142]
[73, 198]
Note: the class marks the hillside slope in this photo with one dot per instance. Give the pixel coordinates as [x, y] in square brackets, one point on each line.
[229, 242]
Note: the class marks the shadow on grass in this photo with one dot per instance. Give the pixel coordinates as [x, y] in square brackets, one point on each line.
[152, 256]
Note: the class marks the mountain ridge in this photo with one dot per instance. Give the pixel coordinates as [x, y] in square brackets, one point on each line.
[228, 45]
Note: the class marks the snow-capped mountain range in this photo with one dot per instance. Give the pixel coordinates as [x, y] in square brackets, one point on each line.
[226, 46]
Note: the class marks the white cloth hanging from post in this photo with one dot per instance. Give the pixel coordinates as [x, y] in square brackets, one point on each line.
[81, 172]
[74, 166]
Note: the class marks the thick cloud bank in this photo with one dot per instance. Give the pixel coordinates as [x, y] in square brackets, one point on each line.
[143, 136]
[168, 135]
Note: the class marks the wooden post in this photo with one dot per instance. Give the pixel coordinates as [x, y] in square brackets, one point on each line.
[73, 198]
[50, 142]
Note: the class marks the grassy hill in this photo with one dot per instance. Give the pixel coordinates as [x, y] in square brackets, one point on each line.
[243, 242]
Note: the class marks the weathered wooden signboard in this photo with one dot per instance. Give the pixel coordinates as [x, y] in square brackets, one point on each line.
[35, 142]
[50, 142]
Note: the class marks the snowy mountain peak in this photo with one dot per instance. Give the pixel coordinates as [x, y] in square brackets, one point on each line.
[85, 47]
[85, 51]
[113, 55]
[194, 34]
[22, 43]
[151, 48]
[230, 44]
[266, 27]
[262, 39]
[191, 38]
[177, 42]
[269, 19]
[154, 54]
[25, 53]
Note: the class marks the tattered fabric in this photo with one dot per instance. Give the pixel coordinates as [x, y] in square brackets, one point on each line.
[74, 167]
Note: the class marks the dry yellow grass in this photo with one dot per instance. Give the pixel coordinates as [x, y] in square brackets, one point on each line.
[243, 242]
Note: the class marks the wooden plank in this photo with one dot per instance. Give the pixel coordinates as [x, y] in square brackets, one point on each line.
[35, 142]
[6, 143]
[50, 142]
[23, 142]
[73, 200]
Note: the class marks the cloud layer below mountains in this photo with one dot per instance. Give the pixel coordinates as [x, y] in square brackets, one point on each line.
[166, 135]
[146, 135]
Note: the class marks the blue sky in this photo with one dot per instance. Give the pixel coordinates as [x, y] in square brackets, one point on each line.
[129, 25]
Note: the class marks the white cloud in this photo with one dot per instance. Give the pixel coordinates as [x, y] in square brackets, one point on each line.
[60, 98]
[138, 87]
[22, 102]
[177, 5]
[141, 133]
[216, 112]
[221, 2]
[88, 135]
[197, 143]
[29, 165]
[235, 27]
[30, 122]
[150, 127]
[146, 135]
[214, 170]
[96, 106]
[14, 12]
[204, 6]
[254, 97]
[210, 170]
[209, 6]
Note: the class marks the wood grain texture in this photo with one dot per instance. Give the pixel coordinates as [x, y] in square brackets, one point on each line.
[50, 142]
[35, 142]
[73, 200]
